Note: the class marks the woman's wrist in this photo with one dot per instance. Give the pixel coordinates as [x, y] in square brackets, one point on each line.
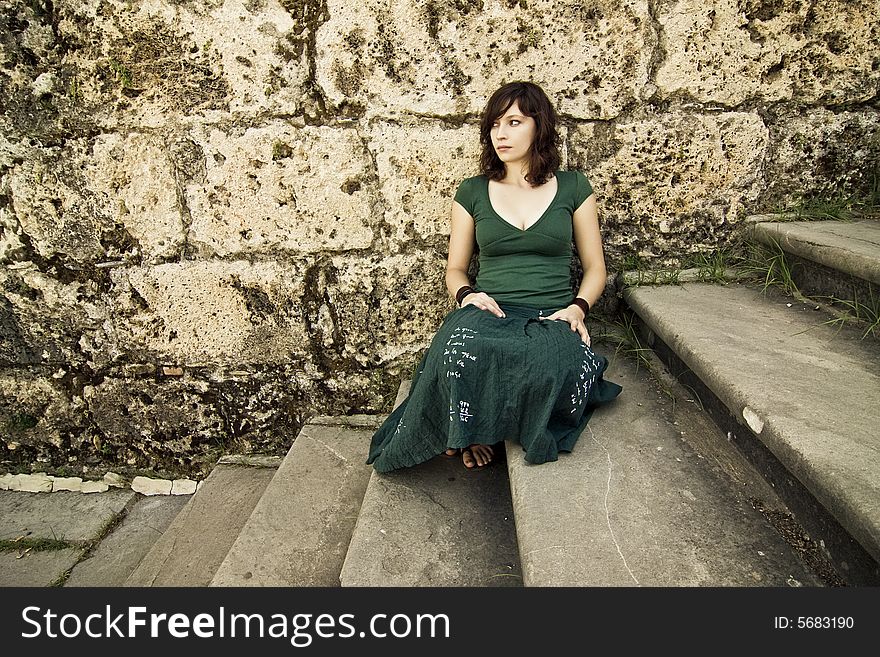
[582, 304]
[462, 292]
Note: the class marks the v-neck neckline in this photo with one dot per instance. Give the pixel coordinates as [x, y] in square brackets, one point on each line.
[540, 217]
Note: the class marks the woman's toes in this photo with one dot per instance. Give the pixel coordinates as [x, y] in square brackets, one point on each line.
[451, 451]
[467, 458]
[480, 455]
[484, 455]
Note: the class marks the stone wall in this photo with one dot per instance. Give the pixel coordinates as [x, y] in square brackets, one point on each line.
[218, 217]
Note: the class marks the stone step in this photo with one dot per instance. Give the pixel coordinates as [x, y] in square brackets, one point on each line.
[436, 524]
[299, 531]
[115, 558]
[191, 550]
[72, 520]
[839, 259]
[797, 394]
[651, 495]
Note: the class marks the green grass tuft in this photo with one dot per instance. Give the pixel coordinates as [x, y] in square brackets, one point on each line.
[34, 544]
[711, 267]
[624, 334]
[769, 266]
[863, 314]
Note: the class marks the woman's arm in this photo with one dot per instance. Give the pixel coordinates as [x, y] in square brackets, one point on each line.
[588, 240]
[589, 245]
[461, 247]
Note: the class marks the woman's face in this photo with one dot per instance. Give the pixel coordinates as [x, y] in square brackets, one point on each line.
[512, 135]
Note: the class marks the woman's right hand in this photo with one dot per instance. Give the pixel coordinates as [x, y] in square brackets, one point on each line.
[484, 302]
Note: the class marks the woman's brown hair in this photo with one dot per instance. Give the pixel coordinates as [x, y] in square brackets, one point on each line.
[544, 158]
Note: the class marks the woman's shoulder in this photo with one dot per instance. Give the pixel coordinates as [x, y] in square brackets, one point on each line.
[470, 186]
[572, 175]
[472, 181]
[577, 183]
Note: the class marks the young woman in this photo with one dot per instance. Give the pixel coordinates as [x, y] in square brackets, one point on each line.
[514, 361]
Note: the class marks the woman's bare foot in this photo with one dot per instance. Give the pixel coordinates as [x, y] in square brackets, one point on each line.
[452, 451]
[477, 456]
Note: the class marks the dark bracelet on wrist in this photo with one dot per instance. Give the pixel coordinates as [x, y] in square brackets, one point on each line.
[463, 291]
[582, 304]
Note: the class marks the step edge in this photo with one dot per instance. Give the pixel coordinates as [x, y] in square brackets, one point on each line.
[831, 256]
[292, 459]
[853, 520]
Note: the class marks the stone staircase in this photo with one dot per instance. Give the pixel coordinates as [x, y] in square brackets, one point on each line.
[742, 453]
[796, 390]
[827, 259]
[299, 532]
[435, 525]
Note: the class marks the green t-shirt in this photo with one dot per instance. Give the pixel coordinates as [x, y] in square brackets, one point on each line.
[529, 267]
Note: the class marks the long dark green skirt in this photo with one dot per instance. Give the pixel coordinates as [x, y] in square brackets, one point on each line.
[485, 379]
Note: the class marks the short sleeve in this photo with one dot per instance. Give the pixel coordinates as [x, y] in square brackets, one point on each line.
[464, 195]
[583, 189]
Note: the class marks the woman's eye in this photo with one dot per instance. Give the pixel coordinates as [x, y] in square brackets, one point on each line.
[514, 122]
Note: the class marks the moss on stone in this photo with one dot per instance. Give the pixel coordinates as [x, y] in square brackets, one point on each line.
[281, 150]
[448, 10]
[153, 59]
[21, 422]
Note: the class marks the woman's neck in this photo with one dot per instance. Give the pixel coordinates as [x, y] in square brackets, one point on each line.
[517, 179]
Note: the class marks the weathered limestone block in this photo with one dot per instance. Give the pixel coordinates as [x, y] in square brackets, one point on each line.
[39, 416]
[115, 480]
[74, 484]
[265, 406]
[51, 201]
[671, 184]
[39, 482]
[160, 60]
[821, 155]
[183, 424]
[282, 188]
[149, 423]
[209, 312]
[135, 173]
[11, 244]
[143, 64]
[379, 310]
[183, 487]
[419, 167]
[261, 46]
[43, 319]
[94, 487]
[733, 51]
[32, 32]
[147, 64]
[445, 57]
[151, 486]
[36, 85]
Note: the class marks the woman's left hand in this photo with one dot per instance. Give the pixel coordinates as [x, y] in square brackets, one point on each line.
[574, 316]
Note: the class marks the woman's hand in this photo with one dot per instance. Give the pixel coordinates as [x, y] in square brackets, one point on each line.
[483, 301]
[574, 316]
